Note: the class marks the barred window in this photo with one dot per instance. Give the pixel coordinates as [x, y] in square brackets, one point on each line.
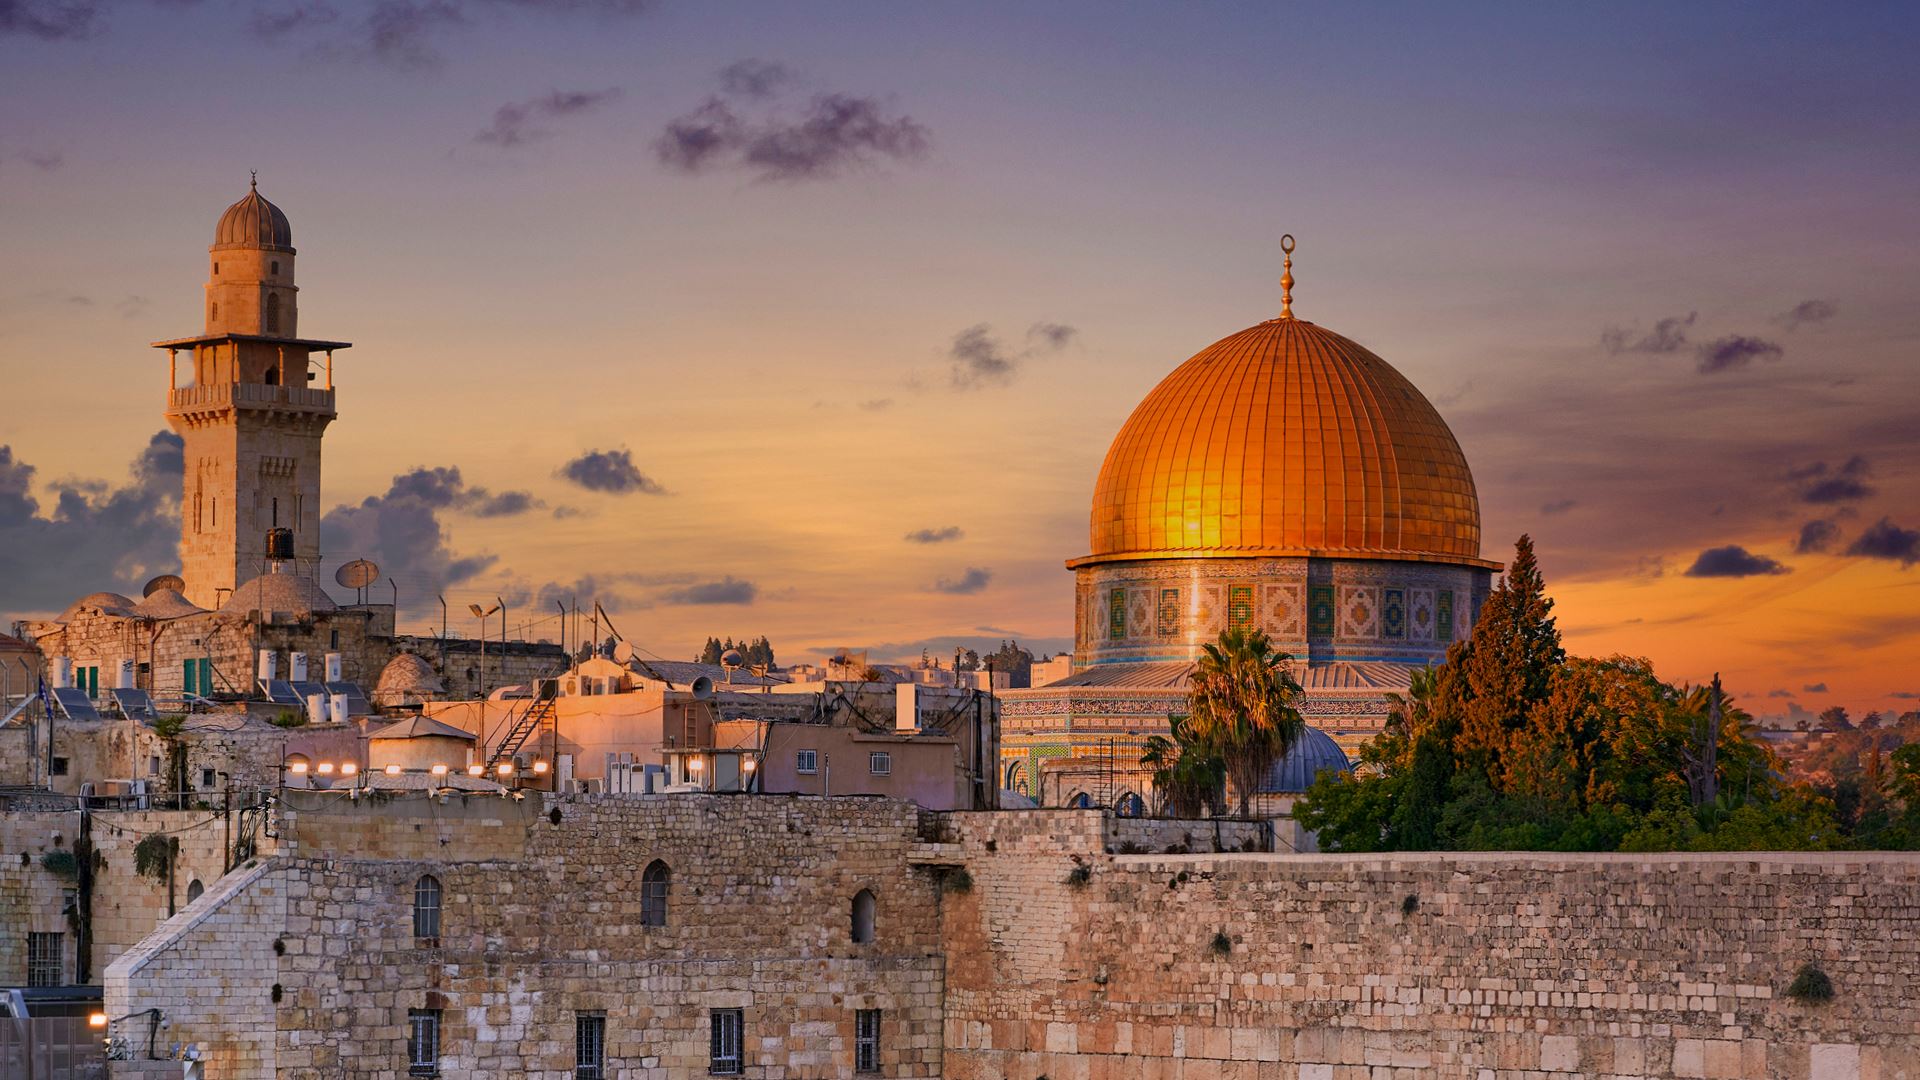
[589, 1045]
[866, 1040]
[44, 960]
[423, 1042]
[726, 1059]
[426, 910]
[654, 884]
[806, 761]
[880, 763]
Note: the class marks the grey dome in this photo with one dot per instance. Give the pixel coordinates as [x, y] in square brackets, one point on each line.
[295, 594]
[166, 604]
[1315, 753]
[107, 603]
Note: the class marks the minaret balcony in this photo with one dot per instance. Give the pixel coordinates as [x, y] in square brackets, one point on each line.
[222, 397]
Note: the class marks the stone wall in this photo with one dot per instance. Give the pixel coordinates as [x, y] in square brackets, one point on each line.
[541, 920]
[1426, 965]
[126, 907]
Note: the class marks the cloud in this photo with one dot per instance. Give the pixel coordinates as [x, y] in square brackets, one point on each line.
[974, 580]
[273, 22]
[1814, 688]
[935, 536]
[1053, 335]
[1905, 695]
[1807, 313]
[754, 78]
[728, 590]
[1734, 561]
[401, 32]
[46, 161]
[829, 135]
[1845, 484]
[980, 360]
[1734, 351]
[876, 404]
[48, 20]
[518, 123]
[611, 471]
[1669, 335]
[402, 531]
[95, 537]
[1558, 506]
[1885, 540]
[1779, 693]
[1816, 536]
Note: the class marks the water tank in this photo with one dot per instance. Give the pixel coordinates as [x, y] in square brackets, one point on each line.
[62, 672]
[333, 667]
[125, 679]
[316, 708]
[269, 665]
[280, 545]
[297, 667]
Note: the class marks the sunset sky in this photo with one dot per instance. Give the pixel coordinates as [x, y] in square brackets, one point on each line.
[816, 321]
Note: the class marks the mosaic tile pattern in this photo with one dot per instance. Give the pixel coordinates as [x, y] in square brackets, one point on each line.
[1393, 614]
[1169, 612]
[1320, 613]
[1240, 607]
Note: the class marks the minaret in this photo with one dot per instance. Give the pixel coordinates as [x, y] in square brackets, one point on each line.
[253, 411]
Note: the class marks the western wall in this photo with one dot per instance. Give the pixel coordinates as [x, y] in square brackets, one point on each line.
[1014, 944]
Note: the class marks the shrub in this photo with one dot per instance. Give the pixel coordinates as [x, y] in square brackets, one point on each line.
[169, 727]
[290, 718]
[1810, 986]
[957, 880]
[1221, 945]
[60, 863]
[1131, 848]
[1079, 876]
[153, 856]
[1410, 905]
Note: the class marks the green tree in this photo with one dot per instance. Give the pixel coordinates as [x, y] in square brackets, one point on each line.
[1241, 705]
[1508, 666]
[1188, 777]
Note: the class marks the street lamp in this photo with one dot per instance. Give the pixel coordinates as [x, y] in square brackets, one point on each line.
[483, 615]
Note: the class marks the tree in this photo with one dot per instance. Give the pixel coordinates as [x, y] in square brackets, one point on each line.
[1835, 718]
[1241, 706]
[1508, 665]
[1188, 778]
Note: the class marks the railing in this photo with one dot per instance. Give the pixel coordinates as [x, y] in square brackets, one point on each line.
[221, 395]
[537, 712]
[51, 1048]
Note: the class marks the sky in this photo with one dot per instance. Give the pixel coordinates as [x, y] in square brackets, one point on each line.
[815, 321]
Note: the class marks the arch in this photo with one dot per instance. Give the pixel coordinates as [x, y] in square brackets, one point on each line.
[1079, 800]
[273, 313]
[298, 763]
[426, 909]
[1129, 804]
[655, 883]
[194, 889]
[863, 911]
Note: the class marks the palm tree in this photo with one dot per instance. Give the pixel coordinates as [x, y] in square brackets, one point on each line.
[1242, 705]
[1188, 778]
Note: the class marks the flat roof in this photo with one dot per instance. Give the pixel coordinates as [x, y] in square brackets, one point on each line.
[212, 339]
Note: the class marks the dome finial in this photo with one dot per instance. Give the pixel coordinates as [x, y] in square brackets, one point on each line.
[1286, 277]
[253, 179]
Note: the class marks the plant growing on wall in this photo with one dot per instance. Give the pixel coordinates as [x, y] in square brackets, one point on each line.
[1810, 986]
[60, 863]
[290, 718]
[1079, 876]
[154, 857]
[1221, 945]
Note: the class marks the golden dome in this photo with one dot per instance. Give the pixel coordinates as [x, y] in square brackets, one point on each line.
[1285, 439]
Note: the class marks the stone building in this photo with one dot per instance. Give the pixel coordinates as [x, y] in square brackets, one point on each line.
[1286, 479]
[802, 938]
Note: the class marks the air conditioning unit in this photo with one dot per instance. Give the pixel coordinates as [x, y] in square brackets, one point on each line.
[591, 786]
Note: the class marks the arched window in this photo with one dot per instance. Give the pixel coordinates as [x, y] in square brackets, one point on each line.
[653, 894]
[194, 889]
[276, 267]
[273, 313]
[1080, 800]
[1129, 805]
[863, 916]
[426, 910]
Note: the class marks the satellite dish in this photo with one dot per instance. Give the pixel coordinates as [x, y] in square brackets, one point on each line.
[623, 652]
[357, 574]
[165, 581]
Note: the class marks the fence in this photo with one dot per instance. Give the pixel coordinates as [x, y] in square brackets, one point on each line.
[51, 1048]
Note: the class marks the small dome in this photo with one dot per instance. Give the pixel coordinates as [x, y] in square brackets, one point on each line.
[407, 678]
[107, 603]
[1315, 753]
[166, 604]
[295, 594]
[253, 222]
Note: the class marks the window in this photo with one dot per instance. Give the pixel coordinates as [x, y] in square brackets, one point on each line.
[654, 883]
[726, 1059]
[194, 889]
[273, 313]
[59, 766]
[880, 763]
[276, 502]
[215, 311]
[589, 1045]
[423, 1042]
[863, 916]
[426, 910]
[206, 778]
[807, 761]
[153, 764]
[866, 1040]
[44, 966]
[276, 268]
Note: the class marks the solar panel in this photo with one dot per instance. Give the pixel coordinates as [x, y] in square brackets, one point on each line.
[280, 692]
[357, 703]
[135, 704]
[308, 689]
[75, 703]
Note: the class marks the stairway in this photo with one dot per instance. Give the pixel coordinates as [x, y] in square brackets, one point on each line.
[538, 711]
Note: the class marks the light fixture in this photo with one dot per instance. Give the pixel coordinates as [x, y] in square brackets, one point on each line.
[97, 1020]
[540, 768]
[348, 768]
[747, 764]
[695, 764]
[324, 768]
[393, 770]
[297, 767]
[505, 768]
[439, 770]
[476, 769]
